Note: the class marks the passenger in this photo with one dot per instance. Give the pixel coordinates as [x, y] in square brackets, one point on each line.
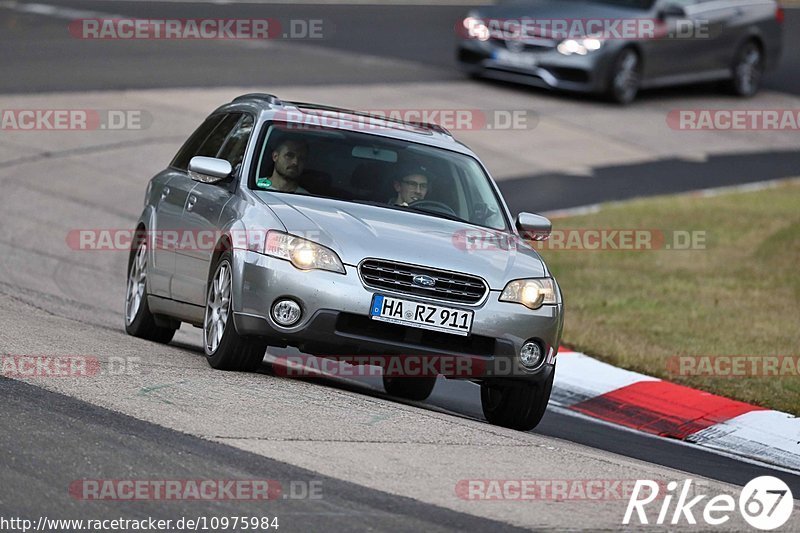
[289, 159]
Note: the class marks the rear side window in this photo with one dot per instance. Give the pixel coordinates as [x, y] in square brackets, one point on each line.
[190, 147]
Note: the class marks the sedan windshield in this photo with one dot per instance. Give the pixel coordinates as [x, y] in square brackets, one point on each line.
[375, 170]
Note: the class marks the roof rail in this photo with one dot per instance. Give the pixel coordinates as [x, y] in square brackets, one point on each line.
[269, 98]
[418, 123]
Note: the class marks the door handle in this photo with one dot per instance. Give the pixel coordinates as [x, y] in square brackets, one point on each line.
[191, 202]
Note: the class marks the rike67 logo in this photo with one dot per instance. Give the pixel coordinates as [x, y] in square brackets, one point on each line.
[766, 503]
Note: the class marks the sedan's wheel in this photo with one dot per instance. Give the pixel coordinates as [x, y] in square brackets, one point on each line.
[625, 77]
[748, 68]
[224, 348]
[416, 389]
[515, 406]
[139, 321]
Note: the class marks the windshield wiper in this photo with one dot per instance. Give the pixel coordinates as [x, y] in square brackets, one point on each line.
[448, 216]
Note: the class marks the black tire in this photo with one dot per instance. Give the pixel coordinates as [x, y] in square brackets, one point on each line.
[747, 70]
[416, 389]
[625, 77]
[143, 323]
[514, 405]
[230, 352]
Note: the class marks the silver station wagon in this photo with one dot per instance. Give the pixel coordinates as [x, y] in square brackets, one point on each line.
[344, 234]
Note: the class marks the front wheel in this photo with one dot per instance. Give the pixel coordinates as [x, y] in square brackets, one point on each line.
[748, 68]
[416, 389]
[139, 321]
[224, 348]
[626, 77]
[516, 405]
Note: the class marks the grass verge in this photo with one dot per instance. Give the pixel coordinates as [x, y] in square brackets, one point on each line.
[652, 311]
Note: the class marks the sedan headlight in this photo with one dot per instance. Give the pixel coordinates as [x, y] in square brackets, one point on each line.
[302, 253]
[476, 29]
[579, 46]
[532, 293]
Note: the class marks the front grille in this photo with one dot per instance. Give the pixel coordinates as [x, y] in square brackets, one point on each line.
[399, 277]
[525, 46]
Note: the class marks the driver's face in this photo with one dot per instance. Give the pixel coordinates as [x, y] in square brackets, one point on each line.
[290, 160]
[411, 188]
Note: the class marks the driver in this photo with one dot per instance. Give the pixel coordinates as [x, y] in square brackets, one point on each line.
[410, 187]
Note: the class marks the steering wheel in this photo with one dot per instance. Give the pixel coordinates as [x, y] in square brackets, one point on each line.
[432, 205]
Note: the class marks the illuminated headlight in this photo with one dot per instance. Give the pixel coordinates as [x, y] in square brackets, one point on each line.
[532, 293]
[476, 29]
[579, 46]
[302, 253]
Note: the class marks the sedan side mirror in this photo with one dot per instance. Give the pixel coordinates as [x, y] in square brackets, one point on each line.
[209, 169]
[534, 227]
[671, 11]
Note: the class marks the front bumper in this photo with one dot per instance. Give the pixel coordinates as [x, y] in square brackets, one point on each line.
[336, 321]
[553, 70]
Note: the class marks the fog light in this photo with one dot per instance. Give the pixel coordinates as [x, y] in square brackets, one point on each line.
[286, 312]
[531, 355]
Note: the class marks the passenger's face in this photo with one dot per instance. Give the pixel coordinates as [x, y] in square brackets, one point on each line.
[290, 160]
[412, 188]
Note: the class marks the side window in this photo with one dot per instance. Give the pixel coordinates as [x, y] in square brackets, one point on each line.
[212, 145]
[190, 147]
[233, 150]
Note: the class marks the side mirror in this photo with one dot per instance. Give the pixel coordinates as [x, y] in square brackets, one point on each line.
[534, 227]
[671, 11]
[209, 169]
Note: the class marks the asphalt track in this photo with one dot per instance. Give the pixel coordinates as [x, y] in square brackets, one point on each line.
[49, 439]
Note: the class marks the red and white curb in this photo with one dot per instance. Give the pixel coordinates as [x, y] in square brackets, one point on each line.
[599, 390]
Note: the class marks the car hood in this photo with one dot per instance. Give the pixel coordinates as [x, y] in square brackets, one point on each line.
[358, 231]
[558, 9]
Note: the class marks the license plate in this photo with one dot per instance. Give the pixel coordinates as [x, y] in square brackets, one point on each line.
[516, 59]
[420, 315]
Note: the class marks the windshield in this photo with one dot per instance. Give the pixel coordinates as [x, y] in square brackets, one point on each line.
[374, 170]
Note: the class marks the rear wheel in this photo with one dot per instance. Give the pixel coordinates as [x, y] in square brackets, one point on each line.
[626, 77]
[516, 405]
[417, 389]
[748, 68]
[224, 348]
[139, 321]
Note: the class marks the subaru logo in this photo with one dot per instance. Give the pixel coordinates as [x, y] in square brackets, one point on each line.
[424, 281]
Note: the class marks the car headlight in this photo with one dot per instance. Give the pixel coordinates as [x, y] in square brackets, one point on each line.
[302, 253]
[532, 293]
[579, 46]
[476, 29]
